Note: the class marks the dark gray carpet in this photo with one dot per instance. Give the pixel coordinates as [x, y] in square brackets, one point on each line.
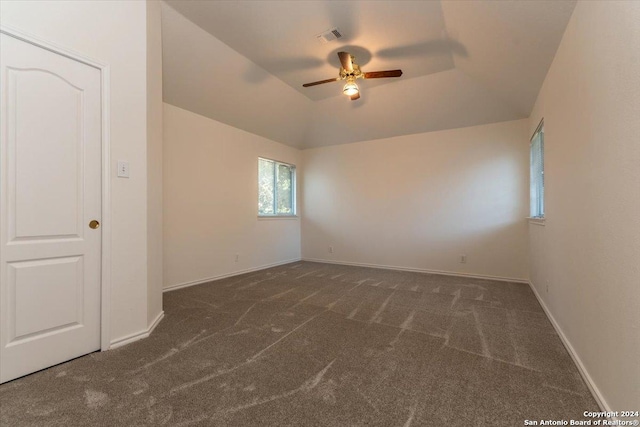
[310, 344]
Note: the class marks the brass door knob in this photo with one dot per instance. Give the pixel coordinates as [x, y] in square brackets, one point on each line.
[94, 224]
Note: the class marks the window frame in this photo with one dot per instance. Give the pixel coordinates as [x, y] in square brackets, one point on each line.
[294, 203]
[537, 213]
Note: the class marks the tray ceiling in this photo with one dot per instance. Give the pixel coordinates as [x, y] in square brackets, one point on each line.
[464, 63]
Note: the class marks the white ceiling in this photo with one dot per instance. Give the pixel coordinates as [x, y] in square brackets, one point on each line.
[464, 64]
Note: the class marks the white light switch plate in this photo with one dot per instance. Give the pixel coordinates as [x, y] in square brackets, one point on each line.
[123, 169]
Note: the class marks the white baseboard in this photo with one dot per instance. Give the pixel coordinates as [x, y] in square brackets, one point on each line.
[419, 270]
[595, 392]
[156, 321]
[119, 342]
[224, 276]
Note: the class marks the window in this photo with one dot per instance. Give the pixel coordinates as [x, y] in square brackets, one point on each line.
[276, 188]
[537, 173]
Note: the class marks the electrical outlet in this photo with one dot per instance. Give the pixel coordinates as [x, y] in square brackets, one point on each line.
[463, 259]
[330, 249]
[237, 257]
[123, 169]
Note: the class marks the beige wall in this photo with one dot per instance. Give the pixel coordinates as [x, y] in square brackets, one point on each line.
[113, 33]
[154, 160]
[588, 253]
[421, 201]
[211, 202]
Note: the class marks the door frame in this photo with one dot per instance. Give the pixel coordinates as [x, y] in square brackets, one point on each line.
[105, 249]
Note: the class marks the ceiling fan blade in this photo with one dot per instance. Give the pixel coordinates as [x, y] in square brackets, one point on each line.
[382, 74]
[356, 96]
[321, 82]
[345, 60]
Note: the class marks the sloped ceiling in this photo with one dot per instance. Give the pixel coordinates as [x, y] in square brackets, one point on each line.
[465, 63]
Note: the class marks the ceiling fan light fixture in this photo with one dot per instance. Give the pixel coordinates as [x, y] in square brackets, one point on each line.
[351, 88]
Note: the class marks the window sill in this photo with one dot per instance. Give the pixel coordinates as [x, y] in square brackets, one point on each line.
[536, 221]
[269, 217]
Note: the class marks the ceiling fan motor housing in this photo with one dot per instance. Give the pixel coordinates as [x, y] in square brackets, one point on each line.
[356, 73]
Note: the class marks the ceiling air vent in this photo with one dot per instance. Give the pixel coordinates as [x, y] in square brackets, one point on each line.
[329, 35]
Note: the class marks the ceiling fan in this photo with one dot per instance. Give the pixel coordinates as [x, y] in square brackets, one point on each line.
[350, 71]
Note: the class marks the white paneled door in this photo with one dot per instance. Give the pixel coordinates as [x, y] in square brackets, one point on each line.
[50, 202]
